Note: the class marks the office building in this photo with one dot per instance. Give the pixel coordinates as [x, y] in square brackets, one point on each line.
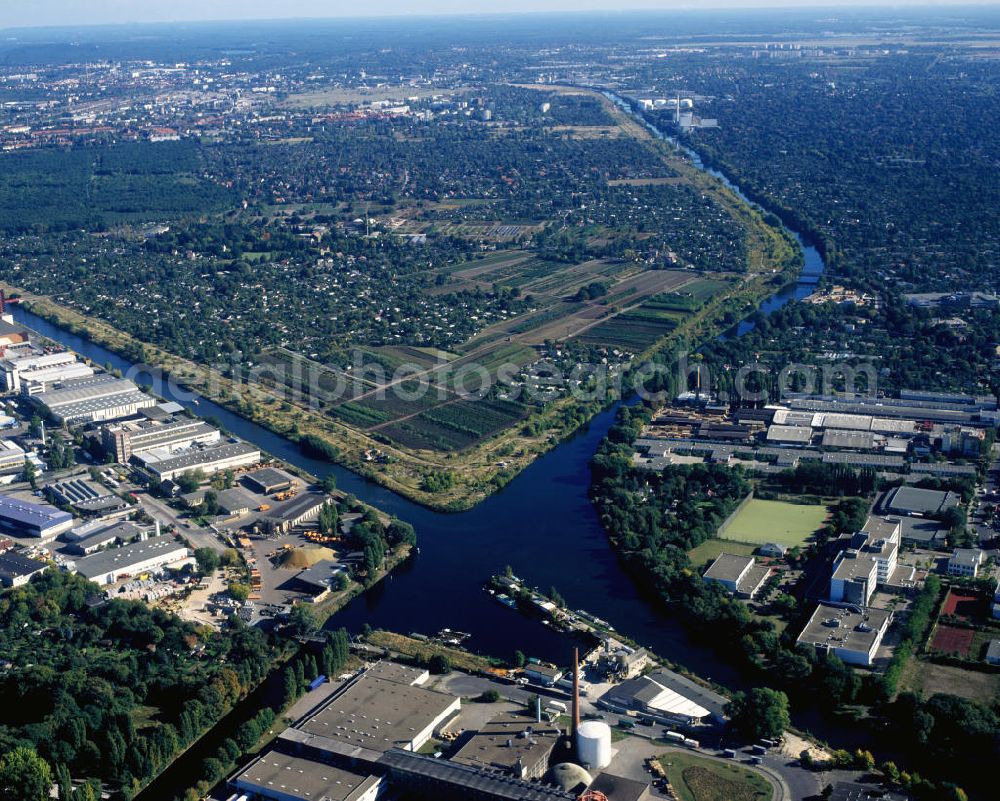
[135, 437]
[850, 633]
[965, 562]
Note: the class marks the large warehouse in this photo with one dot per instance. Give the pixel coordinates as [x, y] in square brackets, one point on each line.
[91, 400]
[280, 777]
[147, 556]
[166, 465]
[26, 519]
[379, 714]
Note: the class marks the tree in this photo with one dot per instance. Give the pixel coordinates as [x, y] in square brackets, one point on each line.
[210, 504]
[400, 532]
[302, 620]
[208, 560]
[291, 685]
[31, 474]
[329, 483]
[761, 713]
[239, 592]
[439, 664]
[24, 776]
[519, 659]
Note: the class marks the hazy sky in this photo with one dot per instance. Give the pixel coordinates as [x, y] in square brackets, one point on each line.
[75, 12]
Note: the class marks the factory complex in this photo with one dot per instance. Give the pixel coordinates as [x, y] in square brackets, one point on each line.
[916, 435]
[366, 739]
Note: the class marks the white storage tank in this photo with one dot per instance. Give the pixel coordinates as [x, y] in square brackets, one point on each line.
[593, 744]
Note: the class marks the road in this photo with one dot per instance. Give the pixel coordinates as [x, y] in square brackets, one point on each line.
[158, 510]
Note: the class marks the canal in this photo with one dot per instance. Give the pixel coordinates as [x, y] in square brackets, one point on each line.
[542, 524]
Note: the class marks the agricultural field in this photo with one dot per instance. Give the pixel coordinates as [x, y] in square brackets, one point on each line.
[695, 778]
[711, 549]
[787, 524]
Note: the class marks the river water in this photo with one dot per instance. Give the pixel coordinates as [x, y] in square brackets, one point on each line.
[542, 524]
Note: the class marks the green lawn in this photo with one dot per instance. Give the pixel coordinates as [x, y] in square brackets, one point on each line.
[695, 778]
[710, 549]
[787, 524]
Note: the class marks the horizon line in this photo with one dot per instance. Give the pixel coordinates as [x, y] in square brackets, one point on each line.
[850, 5]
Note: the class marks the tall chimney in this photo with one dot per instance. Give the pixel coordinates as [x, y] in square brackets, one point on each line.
[576, 691]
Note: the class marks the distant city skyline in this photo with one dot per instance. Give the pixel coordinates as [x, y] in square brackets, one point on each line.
[101, 12]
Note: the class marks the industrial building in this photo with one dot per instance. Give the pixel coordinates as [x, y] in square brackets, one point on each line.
[33, 372]
[268, 480]
[854, 791]
[378, 714]
[85, 497]
[851, 633]
[513, 743]
[913, 501]
[100, 535]
[443, 780]
[27, 519]
[11, 458]
[146, 556]
[139, 436]
[542, 674]
[235, 502]
[92, 400]
[321, 578]
[669, 696]
[166, 465]
[789, 435]
[619, 788]
[741, 575]
[16, 570]
[280, 777]
[304, 508]
[364, 739]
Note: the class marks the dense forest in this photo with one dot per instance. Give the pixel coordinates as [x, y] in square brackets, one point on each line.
[114, 690]
[888, 159]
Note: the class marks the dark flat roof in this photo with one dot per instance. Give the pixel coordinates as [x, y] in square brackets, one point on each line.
[618, 788]
[478, 781]
[13, 565]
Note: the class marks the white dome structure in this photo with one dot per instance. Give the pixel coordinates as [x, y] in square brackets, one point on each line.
[593, 744]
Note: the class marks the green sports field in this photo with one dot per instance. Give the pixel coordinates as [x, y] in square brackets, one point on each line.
[787, 524]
